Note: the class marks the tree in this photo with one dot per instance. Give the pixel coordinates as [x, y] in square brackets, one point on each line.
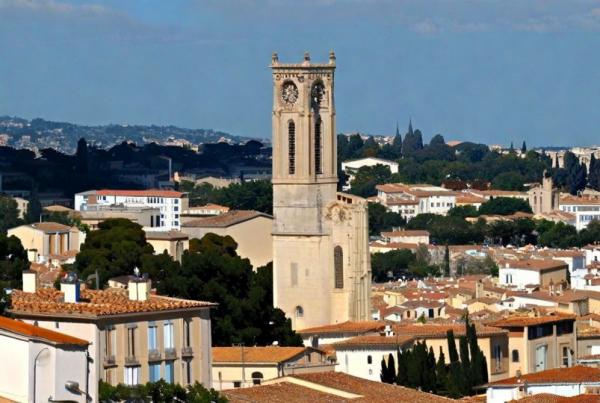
[446, 261]
[397, 144]
[367, 177]
[159, 392]
[81, 156]
[509, 181]
[441, 372]
[437, 140]
[557, 235]
[504, 206]
[9, 214]
[34, 208]
[13, 260]
[524, 148]
[388, 370]
[594, 175]
[382, 220]
[392, 264]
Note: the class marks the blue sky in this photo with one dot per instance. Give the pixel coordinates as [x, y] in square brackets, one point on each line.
[492, 71]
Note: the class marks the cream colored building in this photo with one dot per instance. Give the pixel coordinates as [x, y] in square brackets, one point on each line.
[172, 242]
[321, 266]
[250, 229]
[544, 198]
[135, 337]
[38, 364]
[45, 240]
[240, 367]
[96, 214]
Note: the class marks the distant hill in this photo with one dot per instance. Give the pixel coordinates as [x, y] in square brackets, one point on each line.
[63, 136]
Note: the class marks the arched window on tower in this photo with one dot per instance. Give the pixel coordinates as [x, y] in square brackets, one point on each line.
[292, 147]
[338, 266]
[318, 146]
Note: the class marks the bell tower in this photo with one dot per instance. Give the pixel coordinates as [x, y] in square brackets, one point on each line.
[304, 144]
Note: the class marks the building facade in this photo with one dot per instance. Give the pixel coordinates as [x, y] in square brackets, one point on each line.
[169, 203]
[321, 261]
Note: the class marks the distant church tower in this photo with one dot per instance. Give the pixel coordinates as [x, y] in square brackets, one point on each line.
[320, 237]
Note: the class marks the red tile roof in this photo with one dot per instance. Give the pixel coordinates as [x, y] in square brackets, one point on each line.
[440, 330]
[269, 354]
[405, 233]
[94, 304]
[522, 321]
[140, 193]
[49, 226]
[345, 327]
[38, 333]
[533, 264]
[225, 219]
[574, 374]
[550, 398]
[373, 341]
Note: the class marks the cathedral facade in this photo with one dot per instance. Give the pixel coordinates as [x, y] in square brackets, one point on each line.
[321, 266]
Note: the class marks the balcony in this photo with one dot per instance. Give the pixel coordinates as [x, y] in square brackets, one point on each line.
[153, 355]
[131, 361]
[187, 352]
[109, 361]
[170, 354]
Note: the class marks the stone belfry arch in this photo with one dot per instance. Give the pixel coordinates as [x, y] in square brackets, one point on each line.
[310, 219]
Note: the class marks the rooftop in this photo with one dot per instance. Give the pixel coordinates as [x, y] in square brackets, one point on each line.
[225, 220]
[38, 333]
[405, 233]
[440, 330]
[166, 235]
[522, 320]
[49, 226]
[94, 304]
[345, 327]
[374, 341]
[139, 193]
[533, 264]
[269, 354]
[574, 374]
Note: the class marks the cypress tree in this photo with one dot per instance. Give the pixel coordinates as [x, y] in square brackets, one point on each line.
[524, 147]
[384, 375]
[452, 346]
[441, 373]
[391, 368]
[430, 370]
[447, 262]
[402, 376]
[465, 364]
[594, 176]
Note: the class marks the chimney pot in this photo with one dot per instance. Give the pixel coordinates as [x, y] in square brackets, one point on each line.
[139, 289]
[30, 281]
[69, 285]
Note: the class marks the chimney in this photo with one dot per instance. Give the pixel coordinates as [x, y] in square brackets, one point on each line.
[30, 281]
[69, 285]
[32, 255]
[139, 288]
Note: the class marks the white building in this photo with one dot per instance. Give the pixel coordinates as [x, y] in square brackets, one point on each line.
[407, 236]
[585, 209]
[40, 364]
[352, 166]
[567, 382]
[520, 273]
[169, 202]
[418, 199]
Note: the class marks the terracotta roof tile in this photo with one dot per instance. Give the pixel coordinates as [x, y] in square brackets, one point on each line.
[271, 354]
[373, 341]
[226, 219]
[38, 333]
[574, 374]
[281, 391]
[405, 233]
[533, 264]
[166, 235]
[94, 303]
[49, 226]
[440, 330]
[345, 327]
[522, 320]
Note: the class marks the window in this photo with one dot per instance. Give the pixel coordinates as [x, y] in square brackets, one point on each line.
[318, 147]
[498, 357]
[169, 373]
[291, 147]
[154, 372]
[152, 342]
[187, 332]
[515, 356]
[369, 359]
[132, 376]
[565, 327]
[188, 371]
[168, 329]
[430, 313]
[257, 378]
[338, 266]
[110, 341]
[237, 384]
[299, 312]
[131, 342]
[566, 356]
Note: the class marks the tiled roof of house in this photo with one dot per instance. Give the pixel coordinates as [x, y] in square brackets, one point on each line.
[533, 264]
[405, 233]
[38, 333]
[440, 330]
[574, 374]
[522, 320]
[139, 193]
[373, 341]
[166, 235]
[281, 392]
[50, 226]
[579, 200]
[93, 304]
[345, 327]
[269, 354]
[550, 398]
[469, 199]
[225, 220]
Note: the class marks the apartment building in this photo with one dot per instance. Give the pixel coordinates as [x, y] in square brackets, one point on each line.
[134, 336]
[47, 240]
[169, 203]
[585, 209]
[411, 200]
[537, 343]
[351, 167]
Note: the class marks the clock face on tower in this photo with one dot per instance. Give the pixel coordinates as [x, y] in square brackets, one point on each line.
[289, 93]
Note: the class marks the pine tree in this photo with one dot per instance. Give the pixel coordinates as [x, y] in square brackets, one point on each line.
[447, 262]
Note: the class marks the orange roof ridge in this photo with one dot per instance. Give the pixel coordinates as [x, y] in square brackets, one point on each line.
[39, 333]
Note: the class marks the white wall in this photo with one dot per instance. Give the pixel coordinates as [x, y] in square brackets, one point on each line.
[14, 370]
[502, 395]
[355, 362]
[520, 277]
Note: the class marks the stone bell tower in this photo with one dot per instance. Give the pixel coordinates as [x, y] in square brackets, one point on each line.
[306, 285]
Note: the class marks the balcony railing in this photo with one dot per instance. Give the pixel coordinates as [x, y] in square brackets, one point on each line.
[170, 354]
[132, 361]
[187, 352]
[109, 360]
[153, 355]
